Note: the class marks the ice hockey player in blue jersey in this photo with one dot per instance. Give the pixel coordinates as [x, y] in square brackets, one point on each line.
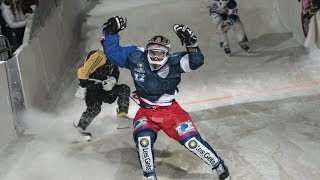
[224, 14]
[156, 73]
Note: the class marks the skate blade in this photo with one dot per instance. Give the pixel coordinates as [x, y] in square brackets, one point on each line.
[79, 142]
[251, 53]
[79, 138]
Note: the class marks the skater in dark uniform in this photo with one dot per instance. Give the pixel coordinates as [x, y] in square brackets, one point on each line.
[98, 83]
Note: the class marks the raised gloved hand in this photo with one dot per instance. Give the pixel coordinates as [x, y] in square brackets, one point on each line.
[81, 92]
[226, 26]
[108, 84]
[186, 36]
[115, 24]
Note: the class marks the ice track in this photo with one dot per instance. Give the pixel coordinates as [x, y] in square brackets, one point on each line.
[259, 110]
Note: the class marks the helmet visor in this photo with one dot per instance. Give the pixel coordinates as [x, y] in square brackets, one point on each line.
[157, 54]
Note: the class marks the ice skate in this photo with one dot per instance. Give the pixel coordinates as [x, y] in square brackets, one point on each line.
[245, 47]
[151, 177]
[123, 121]
[223, 172]
[221, 44]
[227, 50]
[80, 136]
[244, 43]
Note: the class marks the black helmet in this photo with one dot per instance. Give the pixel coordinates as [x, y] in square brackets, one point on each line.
[160, 40]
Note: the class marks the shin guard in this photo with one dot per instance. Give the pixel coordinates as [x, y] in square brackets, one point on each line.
[144, 143]
[202, 150]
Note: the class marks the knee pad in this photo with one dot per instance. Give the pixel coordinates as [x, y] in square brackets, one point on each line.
[143, 133]
[203, 150]
[125, 89]
[144, 143]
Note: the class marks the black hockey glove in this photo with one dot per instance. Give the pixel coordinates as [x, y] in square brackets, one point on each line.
[115, 24]
[186, 36]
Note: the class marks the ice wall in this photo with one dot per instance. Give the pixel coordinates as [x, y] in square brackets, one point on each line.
[6, 119]
[289, 12]
[36, 65]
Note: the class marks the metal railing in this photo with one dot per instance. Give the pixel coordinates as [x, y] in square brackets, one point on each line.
[5, 49]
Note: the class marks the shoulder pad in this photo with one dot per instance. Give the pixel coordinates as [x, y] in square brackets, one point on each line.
[136, 55]
[175, 58]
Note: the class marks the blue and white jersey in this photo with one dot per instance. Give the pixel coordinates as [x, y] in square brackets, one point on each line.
[231, 9]
[154, 87]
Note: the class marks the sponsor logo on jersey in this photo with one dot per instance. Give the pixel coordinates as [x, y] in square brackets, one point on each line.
[185, 127]
[139, 68]
[139, 77]
[164, 71]
[139, 72]
[140, 122]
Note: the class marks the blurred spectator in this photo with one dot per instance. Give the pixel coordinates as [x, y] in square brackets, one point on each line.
[309, 8]
[5, 30]
[28, 6]
[14, 22]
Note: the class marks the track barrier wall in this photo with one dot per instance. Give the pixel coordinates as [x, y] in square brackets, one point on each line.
[7, 128]
[28, 77]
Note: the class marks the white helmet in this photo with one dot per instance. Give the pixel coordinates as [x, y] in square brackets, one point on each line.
[158, 48]
[224, 2]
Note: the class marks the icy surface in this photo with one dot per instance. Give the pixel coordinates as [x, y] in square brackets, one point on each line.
[259, 110]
